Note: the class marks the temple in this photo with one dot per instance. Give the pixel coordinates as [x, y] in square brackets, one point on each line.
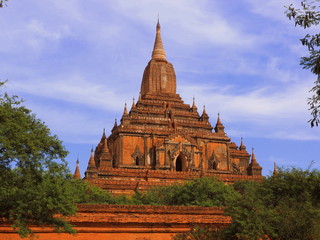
[161, 139]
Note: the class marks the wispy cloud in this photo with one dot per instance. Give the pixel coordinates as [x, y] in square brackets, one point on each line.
[74, 89]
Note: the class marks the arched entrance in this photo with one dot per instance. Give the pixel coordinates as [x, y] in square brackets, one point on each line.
[181, 163]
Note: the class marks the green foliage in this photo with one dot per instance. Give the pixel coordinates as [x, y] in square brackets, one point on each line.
[309, 16]
[200, 234]
[205, 192]
[35, 199]
[25, 141]
[295, 198]
[284, 206]
[86, 193]
[35, 182]
[251, 217]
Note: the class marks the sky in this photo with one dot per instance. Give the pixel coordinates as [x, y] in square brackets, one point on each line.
[76, 63]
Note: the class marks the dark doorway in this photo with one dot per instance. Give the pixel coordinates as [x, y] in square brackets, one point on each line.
[179, 164]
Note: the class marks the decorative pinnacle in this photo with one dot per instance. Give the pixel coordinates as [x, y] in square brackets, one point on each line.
[133, 104]
[158, 52]
[253, 157]
[242, 146]
[218, 120]
[91, 162]
[194, 107]
[77, 173]
[275, 169]
[125, 111]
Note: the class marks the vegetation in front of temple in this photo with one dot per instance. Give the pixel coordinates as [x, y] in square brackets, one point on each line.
[283, 206]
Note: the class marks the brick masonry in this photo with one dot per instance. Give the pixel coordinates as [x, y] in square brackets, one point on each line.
[99, 222]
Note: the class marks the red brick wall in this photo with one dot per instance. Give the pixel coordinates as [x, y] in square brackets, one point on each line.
[99, 222]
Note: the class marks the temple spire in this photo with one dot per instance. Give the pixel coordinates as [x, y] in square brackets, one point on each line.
[242, 146]
[103, 135]
[125, 110]
[219, 128]
[77, 174]
[133, 104]
[194, 107]
[253, 157]
[91, 171]
[254, 168]
[275, 169]
[204, 115]
[158, 52]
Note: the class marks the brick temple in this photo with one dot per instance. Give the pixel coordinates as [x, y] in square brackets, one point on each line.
[161, 140]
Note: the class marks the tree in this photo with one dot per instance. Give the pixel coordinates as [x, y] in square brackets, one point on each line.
[200, 234]
[205, 192]
[251, 216]
[35, 182]
[309, 16]
[2, 2]
[284, 206]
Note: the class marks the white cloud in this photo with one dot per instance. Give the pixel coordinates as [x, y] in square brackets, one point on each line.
[74, 89]
[265, 112]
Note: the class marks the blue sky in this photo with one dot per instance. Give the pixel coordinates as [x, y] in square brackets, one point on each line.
[76, 63]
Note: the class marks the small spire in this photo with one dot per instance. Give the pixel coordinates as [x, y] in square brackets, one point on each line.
[254, 168]
[91, 171]
[218, 120]
[242, 146]
[253, 157]
[77, 174]
[275, 169]
[158, 52]
[194, 107]
[204, 109]
[219, 128]
[133, 104]
[103, 135]
[91, 162]
[115, 123]
[125, 111]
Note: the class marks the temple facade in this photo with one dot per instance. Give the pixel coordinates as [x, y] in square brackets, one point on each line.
[160, 139]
